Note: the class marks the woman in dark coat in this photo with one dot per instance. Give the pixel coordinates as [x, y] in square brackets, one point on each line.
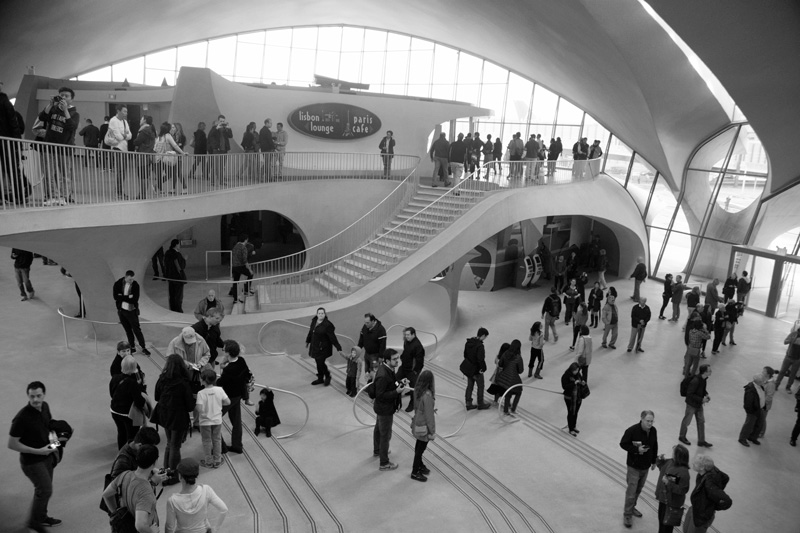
[573, 384]
[126, 390]
[320, 341]
[666, 296]
[175, 402]
[509, 369]
[673, 483]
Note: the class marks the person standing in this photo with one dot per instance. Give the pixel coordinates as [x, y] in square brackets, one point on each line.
[144, 143]
[595, 153]
[386, 146]
[497, 155]
[23, 260]
[729, 287]
[791, 362]
[537, 350]
[583, 352]
[91, 139]
[456, 156]
[516, 150]
[175, 403]
[388, 391]
[640, 316]
[639, 276]
[553, 152]
[30, 435]
[240, 263]
[234, 381]
[211, 399]
[200, 144]
[560, 272]
[573, 384]
[208, 329]
[743, 286]
[473, 367]
[423, 425]
[61, 120]
[610, 318]
[209, 302]
[127, 390]
[281, 140]
[713, 299]
[672, 485]
[187, 509]
[373, 340]
[769, 395]
[641, 442]
[754, 403]
[126, 296]
[531, 156]
[219, 143]
[696, 334]
[137, 493]
[666, 296]
[551, 309]
[488, 149]
[439, 153]
[320, 341]
[696, 398]
[796, 428]
[174, 265]
[595, 297]
[412, 359]
[119, 133]
[510, 366]
[677, 296]
[708, 495]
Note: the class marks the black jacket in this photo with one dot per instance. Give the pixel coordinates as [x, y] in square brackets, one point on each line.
[752, 402]
[708, 493]
[321, 338]
[212, 335]
[696, 391]
[635, 433]
[22, 258]
[413, 356]
[265, 141]
[125, 390]
[475, 353]
[175, 402]
[387, 399]
[119, 296]
[373, 340]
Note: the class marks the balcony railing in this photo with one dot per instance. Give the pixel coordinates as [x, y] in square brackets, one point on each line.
[38, 174]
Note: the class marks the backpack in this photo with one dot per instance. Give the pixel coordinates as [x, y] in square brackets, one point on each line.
[685, 384]
[555, 307]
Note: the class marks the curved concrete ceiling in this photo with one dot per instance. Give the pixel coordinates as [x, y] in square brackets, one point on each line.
[610, 58]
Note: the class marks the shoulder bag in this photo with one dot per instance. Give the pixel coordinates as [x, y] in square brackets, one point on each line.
[673, 516]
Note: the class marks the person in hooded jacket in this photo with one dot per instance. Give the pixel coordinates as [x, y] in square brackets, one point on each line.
[754, 403]
[187, 510]
[672, 484]
[175, 402]
[320, 341]
[510, 367]
[708, 495]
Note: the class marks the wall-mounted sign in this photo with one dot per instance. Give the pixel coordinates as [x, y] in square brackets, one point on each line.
[338, 122]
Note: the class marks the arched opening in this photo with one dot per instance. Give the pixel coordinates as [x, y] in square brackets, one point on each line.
[271, 234]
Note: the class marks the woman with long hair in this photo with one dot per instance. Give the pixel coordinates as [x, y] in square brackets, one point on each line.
[511, 366]
[495, 389]
[423, 425]
[187, 509]
[320, 341]
[537, 350]
[166, 161]
[580, 318]
[127, 390]
[572, 383]
[250, 146]
[673, 483]
[175, 403]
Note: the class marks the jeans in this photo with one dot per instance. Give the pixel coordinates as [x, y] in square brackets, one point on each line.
[322, 368]
[130, 323]
[636, 284]
[762, 423]
[477, 379]
[212, 442]
[690, 363]
[23, 276]
[637, 334]
[125, 429]
[41, 475]
[238, 272]
[750, 428]
[419, 449]
[636, 479]
[172, 452]
[699, 415]
[516, 393]
[234, 412]
[439, 164]
[381, 436]
[664, 303]
[536, 354]
[790, 367]
[550, 323]
[613, 329]
[387, 164]
[676, 310]
[572, 412]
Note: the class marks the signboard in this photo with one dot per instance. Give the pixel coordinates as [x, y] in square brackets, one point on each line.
[336, 122]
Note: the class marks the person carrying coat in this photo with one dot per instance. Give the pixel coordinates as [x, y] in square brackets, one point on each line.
[320, 341]
[510, 367]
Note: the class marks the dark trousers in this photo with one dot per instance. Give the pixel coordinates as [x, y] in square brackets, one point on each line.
[796, 429]
[419, 449]
[751, 426]
[322, 368]
[238, 272]
[175, 289]
[572, 412]
[172, 452]
[585, 373]
[662, 510]
[408, 373]
[536, 354]
[381, 436]
[514, 393]
[125, 429]
[350, 384]
[576, 329]
[477, 379]
[158, 260]
[664, 303]
[130, 323]
[718, 336]
[41, 475]
[387, 164]
[558, 282]
[234, 412]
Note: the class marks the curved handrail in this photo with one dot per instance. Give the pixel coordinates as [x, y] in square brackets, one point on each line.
[305, 404]
[267, 352]
[355, 411]
[503, 397]
[435, 337]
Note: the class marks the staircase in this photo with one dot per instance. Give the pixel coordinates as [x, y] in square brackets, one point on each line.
[426, 215]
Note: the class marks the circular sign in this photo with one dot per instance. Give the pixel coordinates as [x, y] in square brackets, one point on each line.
[336, 122]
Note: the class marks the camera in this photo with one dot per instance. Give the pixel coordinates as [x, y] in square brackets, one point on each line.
[57, 98]
[168, 471]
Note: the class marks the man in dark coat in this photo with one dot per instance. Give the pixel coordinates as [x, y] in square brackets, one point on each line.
[126, 296]
[208, 328]
[754, 402]
[474, 366]
[411, 361]
[373, 340]
[641, 442]
[388, 391]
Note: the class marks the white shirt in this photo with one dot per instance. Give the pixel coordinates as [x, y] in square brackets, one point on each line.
[126, 291]
[121, 132]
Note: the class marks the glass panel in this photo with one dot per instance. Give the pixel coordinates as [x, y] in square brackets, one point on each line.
[249, 58]
[698, 195]
[220, 55]
[518, 101]
[256, 37]
[420, 91]
[662, 206]
[330, 38]
[444, 65]
[279, 37]
[492, 96]
[374, 41]
[569, 136]
[470, 69]
[712, 154]
[399, 89]
[641, 180]
[490, 127]
[618, 159]
[301, 67]
[372, 68]
[494, 73]
[676, 254]
[350, 67]
[468, 93]
[787, 241]
[656, 238]
[747, 172]
[156, 77]
[352, 39]
[421, 66]
[304, 38]
[761, 274]
[711, 261]
[546, 130]
[421, 44]
[327, 64]
[101, 74]
[443, 92]
[569, 113]
[789, 295]
[132, 70]
[276, 64]
[544, 106]
[396, 42]
[396, 67]
[594, 130]
[164, 60]
[193, 55]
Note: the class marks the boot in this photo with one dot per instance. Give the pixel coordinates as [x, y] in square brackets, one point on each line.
[327, 379]
[257, 430]
[530, 371]
[410, 407]
[318, 381]
[471, 406]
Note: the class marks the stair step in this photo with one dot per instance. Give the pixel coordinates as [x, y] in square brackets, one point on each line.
[354, 277]
[367, 268]
[344, 283]
[390, 257]
[331, 288]
[369, 257]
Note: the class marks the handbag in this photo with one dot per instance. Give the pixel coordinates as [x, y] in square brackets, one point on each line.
[585, 392]
[421, 432]
[673, 516]
[110, 139]
[467, 368]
